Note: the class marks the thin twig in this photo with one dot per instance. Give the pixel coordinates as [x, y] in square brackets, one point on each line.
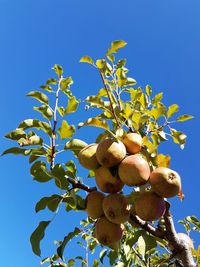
[111, 105]
[53, 135]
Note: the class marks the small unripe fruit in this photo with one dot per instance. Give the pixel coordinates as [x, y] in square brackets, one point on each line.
[94, 203]
[185, 238]
[116, 208]
[165, 182]
[134, 170]
[133, 142]
[107, 181]
[108, 233]
[150, 207]
[87, 157]
[110, 153]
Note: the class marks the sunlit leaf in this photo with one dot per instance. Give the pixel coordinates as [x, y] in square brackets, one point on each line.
[178, 137]
[45, 110]
[16, 134]
[115, 46]
[157, 98]
[37, 236]
[184, 117]
[75, 145]
[101, 63]
[87, 59]
[163, 160]
[66, 130]
[17, 151]
[95, 122]
[58, 70]
[172, 109]
[72, 105]
[65, 83]
[39, 96]
[148, 90]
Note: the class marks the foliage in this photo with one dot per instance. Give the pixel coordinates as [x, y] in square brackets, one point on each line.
[123, 107]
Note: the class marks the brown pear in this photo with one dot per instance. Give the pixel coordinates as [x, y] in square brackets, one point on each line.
[134, 170]
[108, 233]
[133, 142]
[116, 208]
[110, 153]
[87, 157]
[107, 180]
[94, 203]
[185, 238]
[150, 207]
[165, 182]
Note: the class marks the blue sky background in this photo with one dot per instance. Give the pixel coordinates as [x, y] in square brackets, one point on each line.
[163, 50]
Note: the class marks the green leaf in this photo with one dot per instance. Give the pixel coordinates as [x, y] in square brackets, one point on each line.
[96, 101]
[102, 255]
[16, 134]
[37, 236]
[51, 81]
[111, 58]
[172, 109]
[39, 172]
[87, 59]
[60, 177]
[101, 64]
[71, 168]
[65, 83]
[130, 81]
[72, 105]
[70, 263]
[51, 202]
[96, 122]
[61, 111]
[66, 130]
[17, 151]
[184, 117]
[75, 145]
[178, 137]
[115, 46]
[148, 90]
[67, 238]
[45, 110]
[46, 88]
[95, 263]
[40, 125]
[41, 97]
[157, 98]
[58, 70]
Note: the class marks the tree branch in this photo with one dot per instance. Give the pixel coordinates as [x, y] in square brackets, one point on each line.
[77, 184]
[148, 227]
[181, 247]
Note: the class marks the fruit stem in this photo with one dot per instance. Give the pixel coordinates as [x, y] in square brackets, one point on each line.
[77, 184]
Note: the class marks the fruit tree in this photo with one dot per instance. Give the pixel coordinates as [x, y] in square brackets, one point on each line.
[127, 220]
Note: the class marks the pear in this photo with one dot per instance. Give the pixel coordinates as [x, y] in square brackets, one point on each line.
[108, 180]
[116, 208]
[134, 170]
[132, 142]
[110, 153]
[165, 182]
[87, 157]
[150, 207]
[94, 203]
[108, 233]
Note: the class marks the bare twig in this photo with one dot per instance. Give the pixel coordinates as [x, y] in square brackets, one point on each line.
[110, 100]
[53, 135]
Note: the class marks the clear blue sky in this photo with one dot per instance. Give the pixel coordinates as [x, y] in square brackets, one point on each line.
[163, 51]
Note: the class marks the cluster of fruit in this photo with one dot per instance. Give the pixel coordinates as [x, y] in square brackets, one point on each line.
[119, 163]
